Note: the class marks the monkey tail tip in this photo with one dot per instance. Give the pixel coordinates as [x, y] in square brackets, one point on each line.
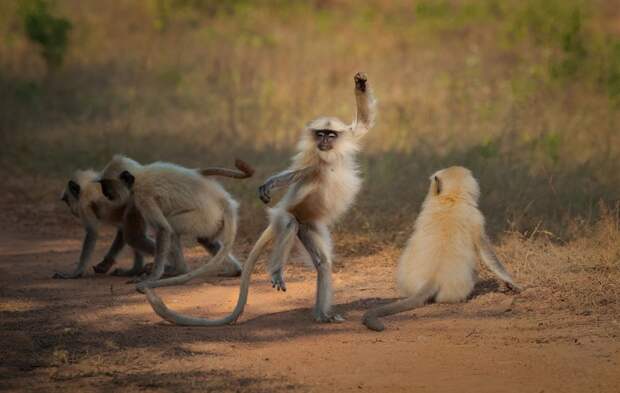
[373, 323]
[244, 167]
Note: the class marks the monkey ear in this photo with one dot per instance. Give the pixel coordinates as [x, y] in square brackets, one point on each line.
[127, 178]
[437, 184]
[74, 188]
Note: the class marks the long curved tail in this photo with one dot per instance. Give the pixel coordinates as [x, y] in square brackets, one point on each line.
[171, 316]
[371, 317]
[245, 170]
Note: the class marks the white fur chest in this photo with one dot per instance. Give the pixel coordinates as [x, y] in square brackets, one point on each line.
[339, 189]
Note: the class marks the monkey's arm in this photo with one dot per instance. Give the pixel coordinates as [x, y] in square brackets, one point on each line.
[110, 257]
[156, 219]
[282, 179]
[488, 257]
[365, 118]
[88, 246]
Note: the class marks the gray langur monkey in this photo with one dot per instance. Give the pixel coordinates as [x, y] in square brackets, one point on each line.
[84, 198]
[322, 183]
[439, 261]
[177, 201]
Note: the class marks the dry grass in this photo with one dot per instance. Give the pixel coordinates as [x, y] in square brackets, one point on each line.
[516, 90]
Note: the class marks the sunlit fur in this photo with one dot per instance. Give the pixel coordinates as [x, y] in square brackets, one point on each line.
[440, 259]
[188, 203]
[441, 247]
[322, 185]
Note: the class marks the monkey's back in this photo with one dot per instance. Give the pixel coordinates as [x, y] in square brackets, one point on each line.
[441, 252]
[186, 198]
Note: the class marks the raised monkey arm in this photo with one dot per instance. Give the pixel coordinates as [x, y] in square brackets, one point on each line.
[365, 118]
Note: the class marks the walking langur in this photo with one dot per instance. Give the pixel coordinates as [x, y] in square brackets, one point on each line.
[86, 202]
[177, 201]
[322, 183]
[439, 261]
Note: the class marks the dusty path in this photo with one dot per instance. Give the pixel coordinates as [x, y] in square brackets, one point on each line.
[98, 334]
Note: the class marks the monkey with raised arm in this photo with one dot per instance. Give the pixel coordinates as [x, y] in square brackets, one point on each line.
[322, 183]
[177, 201]
[440, 259]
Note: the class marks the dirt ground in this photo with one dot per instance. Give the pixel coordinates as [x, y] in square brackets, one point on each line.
[97, 334]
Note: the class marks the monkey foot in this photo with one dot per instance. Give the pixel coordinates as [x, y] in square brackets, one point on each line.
[127, 272]
[277, 281]
[329, 318]
[373, 323]
[103, 266]
[66, 275]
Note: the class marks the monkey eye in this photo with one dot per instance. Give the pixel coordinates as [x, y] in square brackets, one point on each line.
[320, 134]
[332, 135]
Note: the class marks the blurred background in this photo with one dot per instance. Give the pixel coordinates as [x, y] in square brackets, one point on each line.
[526, 93]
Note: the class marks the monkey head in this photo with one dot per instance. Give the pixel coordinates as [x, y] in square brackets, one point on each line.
[113, 187]
[454, 182]
[74, 189]
[71, 196]
[118, 190]
[327, 137]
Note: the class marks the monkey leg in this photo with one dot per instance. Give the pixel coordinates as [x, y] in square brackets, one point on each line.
[110, 258]
[175, 267]
[162, 251]
[371, 317]
[287, 230]
[135, 270]
[230, 267]
[88, 246]
[317, 243]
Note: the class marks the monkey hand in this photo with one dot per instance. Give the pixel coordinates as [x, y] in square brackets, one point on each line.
[264, 193]
[62, 275]
[103, 266]
[360, 81]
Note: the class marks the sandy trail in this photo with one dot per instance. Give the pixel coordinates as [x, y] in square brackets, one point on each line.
[97, 334]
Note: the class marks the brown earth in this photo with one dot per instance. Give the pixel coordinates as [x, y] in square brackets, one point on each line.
[97, 334]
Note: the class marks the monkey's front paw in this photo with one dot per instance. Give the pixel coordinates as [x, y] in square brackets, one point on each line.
[373, 323]
[103, 266]
[277, 281]
[360, 81]
[62, 275]
[264, 194]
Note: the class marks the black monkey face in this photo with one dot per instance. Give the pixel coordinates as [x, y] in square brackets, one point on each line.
[325, 139]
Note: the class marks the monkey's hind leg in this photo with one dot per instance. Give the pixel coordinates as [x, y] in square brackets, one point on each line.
[288, 228]
[135, 270]
[317, 243]
[230, 267]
